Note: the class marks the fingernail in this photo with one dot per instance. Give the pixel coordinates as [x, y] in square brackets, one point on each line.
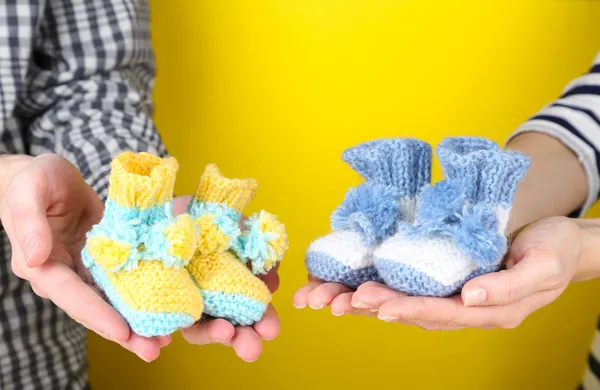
[388, 318]
[250, 361]
[373, 310]
[316, 307]
[338, 314]
[475, 296]
[139, 354]
[30, 246]
[359, 305]
[299, 306]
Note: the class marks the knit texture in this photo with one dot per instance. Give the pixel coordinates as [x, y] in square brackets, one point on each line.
[395, 171]
[229, 289]
[138, 252]
[460, 222]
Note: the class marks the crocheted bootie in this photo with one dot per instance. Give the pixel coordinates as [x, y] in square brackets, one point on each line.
[395, 171]
[229, 288]
[459, 228]
[136, 254]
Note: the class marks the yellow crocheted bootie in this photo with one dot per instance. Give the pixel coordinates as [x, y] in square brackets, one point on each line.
[138, 252]
[229, 289]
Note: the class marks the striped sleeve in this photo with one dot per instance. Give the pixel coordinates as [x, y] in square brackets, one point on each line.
[574, 119]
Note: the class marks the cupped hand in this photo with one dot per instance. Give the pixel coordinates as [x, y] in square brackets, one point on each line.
[46, 210]
[245, 340]
[542, 260]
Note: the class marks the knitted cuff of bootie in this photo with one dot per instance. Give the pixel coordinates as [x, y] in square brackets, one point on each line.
[403, 163]
[217, 205]
[140, 184]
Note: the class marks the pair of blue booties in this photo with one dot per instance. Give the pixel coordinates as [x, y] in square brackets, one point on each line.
[420, 238]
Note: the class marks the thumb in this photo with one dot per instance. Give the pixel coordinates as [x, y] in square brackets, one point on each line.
[506, 286]
[27, 200]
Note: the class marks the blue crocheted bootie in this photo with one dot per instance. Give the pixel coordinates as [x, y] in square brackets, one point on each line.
[395, 170]
[460, 222]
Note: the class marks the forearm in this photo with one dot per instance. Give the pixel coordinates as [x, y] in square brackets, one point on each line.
[555, 184]
[10, 164]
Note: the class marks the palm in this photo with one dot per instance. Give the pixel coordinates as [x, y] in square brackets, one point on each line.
[71, 206]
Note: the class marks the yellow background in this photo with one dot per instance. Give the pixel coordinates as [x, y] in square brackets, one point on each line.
[277, 89]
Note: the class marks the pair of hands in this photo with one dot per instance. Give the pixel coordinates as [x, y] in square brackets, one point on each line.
[46, 210]
[543, 259]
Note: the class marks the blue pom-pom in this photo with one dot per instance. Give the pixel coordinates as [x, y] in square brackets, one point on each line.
[369, 209]
[441, 201]
[477, 234]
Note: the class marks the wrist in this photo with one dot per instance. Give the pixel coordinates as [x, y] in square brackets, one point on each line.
[589, 261]
[10, 164]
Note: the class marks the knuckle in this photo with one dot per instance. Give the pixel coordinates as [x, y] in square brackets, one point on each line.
[420, 308]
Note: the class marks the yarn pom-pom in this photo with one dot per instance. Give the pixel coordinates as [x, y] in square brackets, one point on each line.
[263, 242]
[369, 209]
[478, 235]
[441, 201]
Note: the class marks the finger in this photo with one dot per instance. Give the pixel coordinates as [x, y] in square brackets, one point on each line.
[342, 305]
[247, 344]
[164, 341]
[180, 204]
[145, 348]
[446, 312]
[301, 296]
[371, 295]
[209, 332]
[322, 295]
[509, 286]
[79, 300]
[268, 327]
[27, 200]
[271, 279]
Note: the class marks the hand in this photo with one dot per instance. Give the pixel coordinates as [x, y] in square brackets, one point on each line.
[245, 340]
[542, 261]
[46, 208]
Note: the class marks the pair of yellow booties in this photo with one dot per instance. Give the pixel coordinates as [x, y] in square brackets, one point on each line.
[162, 272]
